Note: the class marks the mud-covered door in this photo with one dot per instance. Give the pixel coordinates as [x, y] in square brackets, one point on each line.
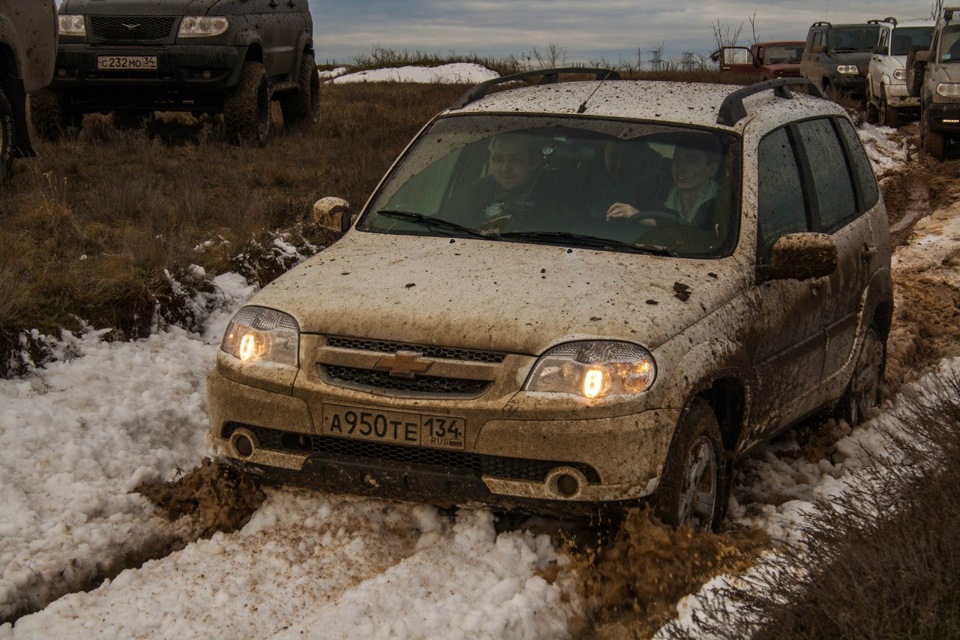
[788, 345]
[284, 22]
[848, 198]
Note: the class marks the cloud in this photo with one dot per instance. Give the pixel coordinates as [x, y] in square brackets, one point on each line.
[609, 29]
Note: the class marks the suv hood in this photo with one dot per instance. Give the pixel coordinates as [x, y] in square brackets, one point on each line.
[139, 7]
[501, 296]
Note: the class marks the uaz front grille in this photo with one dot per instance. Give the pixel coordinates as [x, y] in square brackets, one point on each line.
[460, 462]
[132, 28]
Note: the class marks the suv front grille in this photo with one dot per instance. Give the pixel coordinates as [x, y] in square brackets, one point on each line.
[132, 29]
[427, 351]
[459, 462]
[417, 384]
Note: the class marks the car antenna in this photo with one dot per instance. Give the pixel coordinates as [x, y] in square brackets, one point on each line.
[583, 105]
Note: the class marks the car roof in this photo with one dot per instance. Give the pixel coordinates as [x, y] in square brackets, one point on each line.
[685, 103]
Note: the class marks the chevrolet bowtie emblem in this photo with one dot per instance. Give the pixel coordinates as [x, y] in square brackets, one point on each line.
[404, 364]
[131, 27]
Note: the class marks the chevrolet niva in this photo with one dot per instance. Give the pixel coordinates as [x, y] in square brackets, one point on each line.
[573, 296]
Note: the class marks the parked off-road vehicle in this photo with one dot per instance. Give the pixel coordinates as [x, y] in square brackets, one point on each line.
[28, 49]
[134, 58]
[887, 94]
[933, 76]
[836, 56]
[565, 297]
[762, 60]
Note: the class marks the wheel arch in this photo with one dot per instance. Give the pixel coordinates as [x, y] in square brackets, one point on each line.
[727, 396]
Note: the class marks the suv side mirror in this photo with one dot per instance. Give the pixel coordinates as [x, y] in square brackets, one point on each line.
[802, 256]
[333, 214]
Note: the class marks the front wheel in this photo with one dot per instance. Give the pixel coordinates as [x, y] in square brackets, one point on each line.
[889, 117]
[246, 109]
[933, 142]
[865, 390]
[693, 488]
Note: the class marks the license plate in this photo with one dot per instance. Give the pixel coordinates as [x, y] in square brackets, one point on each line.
[127, 63]
[397, 427]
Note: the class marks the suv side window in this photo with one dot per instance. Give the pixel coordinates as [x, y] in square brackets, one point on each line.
[832, 183]
[781, 202]
[867, 179]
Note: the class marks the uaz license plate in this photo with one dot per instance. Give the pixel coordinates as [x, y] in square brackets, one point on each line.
[127, 63]
[395, 427]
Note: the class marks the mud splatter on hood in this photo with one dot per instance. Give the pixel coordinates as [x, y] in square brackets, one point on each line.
[505, 296]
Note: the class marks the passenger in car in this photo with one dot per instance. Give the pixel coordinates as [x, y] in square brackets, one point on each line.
[692, 198]
[517, 194]
[634, 176]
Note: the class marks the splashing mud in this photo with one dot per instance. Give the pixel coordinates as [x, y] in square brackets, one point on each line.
[213, 497]
[633, 583]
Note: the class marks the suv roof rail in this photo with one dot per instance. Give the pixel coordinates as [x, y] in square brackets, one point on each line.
[732, 110]
[821, 23]
[547, 76]
[891, 20]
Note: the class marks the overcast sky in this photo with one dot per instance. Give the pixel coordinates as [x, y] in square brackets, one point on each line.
[587, 30]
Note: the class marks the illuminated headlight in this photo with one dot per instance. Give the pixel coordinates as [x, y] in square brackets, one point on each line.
[899, 74]
[949, 89]
[594, 370]
[73, 26]
[258, 334]
[847, 69]
[202, 26]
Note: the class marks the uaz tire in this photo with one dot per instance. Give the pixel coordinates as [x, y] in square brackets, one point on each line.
[303, 105]
[246, 109]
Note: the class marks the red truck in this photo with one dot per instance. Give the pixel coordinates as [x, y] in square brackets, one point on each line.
[762, 60]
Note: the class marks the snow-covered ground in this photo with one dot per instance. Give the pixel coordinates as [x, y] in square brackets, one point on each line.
[79, 434]
[453, 73]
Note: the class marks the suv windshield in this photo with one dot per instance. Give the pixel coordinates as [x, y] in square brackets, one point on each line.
[850, 39]
[950, 43]
[905, 38]
[600, 184]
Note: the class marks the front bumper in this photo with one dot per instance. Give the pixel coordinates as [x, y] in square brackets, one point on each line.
[853, 84]
[899, 98]
[514, 462]
[944, 116]
[187, 76]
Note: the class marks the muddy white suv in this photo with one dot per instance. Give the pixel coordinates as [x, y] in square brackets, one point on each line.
[887, 94]
[230, 57]
[573, 295]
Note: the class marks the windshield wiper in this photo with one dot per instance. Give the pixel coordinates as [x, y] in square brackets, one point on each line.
[576, 239]
[430, 221]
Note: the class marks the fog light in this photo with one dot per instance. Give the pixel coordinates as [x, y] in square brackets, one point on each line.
[206, 74]
[567, 485]
[243, 443]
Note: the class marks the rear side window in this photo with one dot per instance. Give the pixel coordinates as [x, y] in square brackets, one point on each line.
[782, 207]
[867, 179]
[832, 184]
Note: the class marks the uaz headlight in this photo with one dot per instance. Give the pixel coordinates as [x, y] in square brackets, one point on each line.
[594, 369]
[72, 26]
[847, 69]
[258, 334]
[949, 89]
[202, 26]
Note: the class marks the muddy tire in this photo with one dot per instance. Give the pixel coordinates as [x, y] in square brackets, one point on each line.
[246, 109]
[888, 116]
[694, 485]
[871, 108]
[302, 107]
[7, 134]
[933, 141]
[865, 389]
[50, 116]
